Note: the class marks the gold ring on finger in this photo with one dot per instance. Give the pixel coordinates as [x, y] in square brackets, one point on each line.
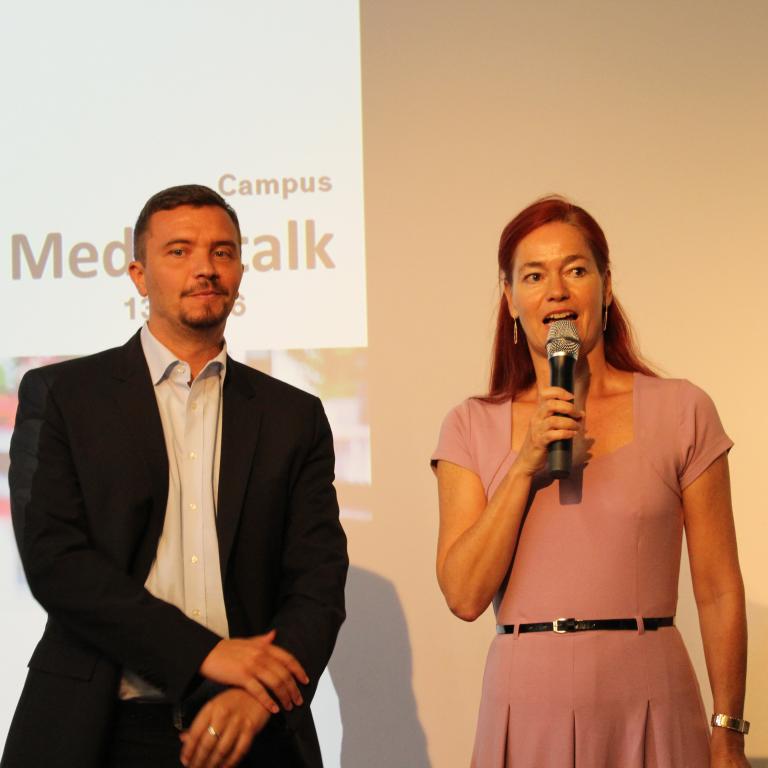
[213, 732]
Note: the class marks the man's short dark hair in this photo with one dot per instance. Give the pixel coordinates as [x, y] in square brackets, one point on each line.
[195, 195]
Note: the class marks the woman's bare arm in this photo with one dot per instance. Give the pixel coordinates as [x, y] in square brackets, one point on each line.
[478, 537]
[719, 592]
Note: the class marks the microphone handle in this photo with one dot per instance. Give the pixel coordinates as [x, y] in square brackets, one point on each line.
[559, 452]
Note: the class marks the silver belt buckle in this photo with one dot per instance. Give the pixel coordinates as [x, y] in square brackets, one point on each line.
[566, 629]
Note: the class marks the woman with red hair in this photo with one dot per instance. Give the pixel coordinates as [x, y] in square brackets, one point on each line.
[587, 668]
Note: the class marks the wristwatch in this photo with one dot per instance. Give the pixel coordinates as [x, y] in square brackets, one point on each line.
[731, 723]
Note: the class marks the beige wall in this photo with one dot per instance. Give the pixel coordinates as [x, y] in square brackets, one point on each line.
[654, 118]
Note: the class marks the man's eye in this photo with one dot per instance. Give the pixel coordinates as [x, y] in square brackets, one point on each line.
[223, 254]
[579, 271]
[532, 277]
[176, 251]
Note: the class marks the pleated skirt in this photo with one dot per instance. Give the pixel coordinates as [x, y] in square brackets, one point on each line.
[612, 699]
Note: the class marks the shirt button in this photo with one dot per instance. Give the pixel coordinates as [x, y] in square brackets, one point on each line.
[194, 405]
[194, 559]
[196, 613]
[192, 506]
[180, 369]
[192, 455]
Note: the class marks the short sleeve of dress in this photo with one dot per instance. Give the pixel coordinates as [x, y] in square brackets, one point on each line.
[702, 437]
[454, 443]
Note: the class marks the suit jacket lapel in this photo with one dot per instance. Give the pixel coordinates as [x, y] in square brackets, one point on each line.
[135, 401]
[241, 418]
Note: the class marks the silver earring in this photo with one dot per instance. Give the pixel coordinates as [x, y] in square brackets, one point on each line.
[514, 329]
[605, 317]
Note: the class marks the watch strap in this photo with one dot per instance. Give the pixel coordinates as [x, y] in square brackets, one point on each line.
[720, 720]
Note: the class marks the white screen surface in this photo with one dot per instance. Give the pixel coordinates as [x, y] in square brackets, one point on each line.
[108, 104]
[258, 101]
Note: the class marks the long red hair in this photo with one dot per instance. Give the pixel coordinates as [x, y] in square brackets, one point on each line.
[512, 369]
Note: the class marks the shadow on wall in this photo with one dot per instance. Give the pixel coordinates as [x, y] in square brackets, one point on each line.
[371, 671]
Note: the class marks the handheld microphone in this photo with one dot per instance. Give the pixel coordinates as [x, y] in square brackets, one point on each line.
[562, 352]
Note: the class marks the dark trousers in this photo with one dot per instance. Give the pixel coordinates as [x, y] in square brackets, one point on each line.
[144, 736]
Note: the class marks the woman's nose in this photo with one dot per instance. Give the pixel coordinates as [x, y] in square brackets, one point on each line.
[558, 290]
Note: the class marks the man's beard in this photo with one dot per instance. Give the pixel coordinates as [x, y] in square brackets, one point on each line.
[206, 317]
[211, 313]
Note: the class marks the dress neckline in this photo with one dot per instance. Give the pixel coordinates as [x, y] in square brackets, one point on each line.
[636, 377]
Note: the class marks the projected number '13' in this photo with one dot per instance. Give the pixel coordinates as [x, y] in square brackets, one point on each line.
[139, 308]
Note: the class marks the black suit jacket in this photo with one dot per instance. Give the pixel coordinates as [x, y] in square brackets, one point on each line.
[89, 482]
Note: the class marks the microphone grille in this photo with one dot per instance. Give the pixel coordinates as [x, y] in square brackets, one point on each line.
[563, 338]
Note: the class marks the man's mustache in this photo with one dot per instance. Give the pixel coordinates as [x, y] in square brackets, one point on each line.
[207, 288]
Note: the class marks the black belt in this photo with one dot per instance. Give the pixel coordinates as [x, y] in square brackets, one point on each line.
[565, 626]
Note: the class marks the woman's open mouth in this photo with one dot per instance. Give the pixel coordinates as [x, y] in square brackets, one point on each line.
[550, 318]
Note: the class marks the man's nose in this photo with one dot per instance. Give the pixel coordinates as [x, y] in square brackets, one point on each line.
[204, 265]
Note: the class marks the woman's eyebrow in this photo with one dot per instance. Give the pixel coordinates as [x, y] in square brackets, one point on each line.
[540, 264]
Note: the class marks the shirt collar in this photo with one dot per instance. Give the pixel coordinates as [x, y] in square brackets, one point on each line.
[161, 361]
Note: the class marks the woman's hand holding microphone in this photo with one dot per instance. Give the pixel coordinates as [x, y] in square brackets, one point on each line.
[556, 418]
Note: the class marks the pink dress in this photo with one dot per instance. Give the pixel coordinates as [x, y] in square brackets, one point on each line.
[604, 544]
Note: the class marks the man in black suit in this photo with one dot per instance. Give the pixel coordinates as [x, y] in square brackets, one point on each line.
[176, 518]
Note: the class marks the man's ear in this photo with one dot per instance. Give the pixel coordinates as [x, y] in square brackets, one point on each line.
[136, 272]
